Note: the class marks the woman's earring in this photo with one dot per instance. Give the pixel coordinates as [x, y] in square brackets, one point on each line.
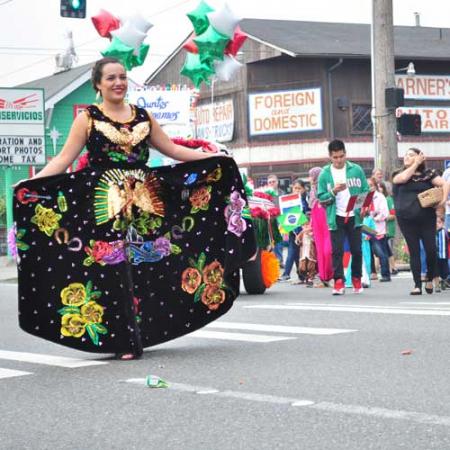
[98, 95]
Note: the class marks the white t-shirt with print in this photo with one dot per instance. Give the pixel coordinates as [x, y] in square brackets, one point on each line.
[342, 198]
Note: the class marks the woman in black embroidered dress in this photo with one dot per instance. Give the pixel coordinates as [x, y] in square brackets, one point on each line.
[117, 257]
[417, 223]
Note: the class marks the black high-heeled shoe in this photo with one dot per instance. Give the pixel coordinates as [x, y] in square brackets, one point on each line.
[428, 289]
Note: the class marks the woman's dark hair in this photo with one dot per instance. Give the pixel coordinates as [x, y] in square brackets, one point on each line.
[422, 166]
[97, 70]
[300, 182]
[384, 189]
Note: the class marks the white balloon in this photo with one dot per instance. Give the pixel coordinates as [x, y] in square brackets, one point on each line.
[129, 35]
[140, 23]
[227, 69]
[224, 20]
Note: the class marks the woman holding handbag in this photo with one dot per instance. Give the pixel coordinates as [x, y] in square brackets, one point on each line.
[415, 221]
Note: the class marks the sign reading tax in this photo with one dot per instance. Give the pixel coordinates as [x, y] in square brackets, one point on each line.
[285, 111]
[22, 127]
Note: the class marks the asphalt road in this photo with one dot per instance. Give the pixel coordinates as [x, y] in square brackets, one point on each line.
[295, 368]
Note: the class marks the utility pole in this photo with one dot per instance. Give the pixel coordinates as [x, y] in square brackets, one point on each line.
[383, 76]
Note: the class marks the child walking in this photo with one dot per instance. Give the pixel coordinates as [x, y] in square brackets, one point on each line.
[440, 282]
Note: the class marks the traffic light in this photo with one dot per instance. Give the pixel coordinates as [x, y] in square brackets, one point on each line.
[75, 9]
[409, 124]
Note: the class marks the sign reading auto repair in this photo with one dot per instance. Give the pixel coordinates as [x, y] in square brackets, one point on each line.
[425, 87]
[285, 111]
[434, 119]
[22, 127]
[215, 121]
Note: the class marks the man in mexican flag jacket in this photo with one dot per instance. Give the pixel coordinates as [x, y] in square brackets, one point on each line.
[339, 181]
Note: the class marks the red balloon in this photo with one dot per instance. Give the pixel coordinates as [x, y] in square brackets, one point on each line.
[235, 44]
[104, 22]
[190, 45]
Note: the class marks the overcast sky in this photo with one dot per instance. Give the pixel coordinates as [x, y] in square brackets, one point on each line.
[32, 31]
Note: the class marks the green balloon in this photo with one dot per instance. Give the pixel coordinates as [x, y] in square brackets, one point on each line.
[196, 70]
[211, 44]
[138, 60]
[124, 53]
[199, 18]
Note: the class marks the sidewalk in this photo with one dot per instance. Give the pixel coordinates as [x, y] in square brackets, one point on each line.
[8, 269]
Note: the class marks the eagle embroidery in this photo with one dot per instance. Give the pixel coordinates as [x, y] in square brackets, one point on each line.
[123, 137]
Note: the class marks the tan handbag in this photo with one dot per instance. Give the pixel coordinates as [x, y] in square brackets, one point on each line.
[431, 197]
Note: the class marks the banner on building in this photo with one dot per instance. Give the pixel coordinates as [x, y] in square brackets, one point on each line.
[285, 111]
[215, 121]
[434, 119]
[22, 127]
[425, 87]
[167, 107]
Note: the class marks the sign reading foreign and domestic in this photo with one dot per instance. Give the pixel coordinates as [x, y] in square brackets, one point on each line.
[22, 127]
[215, 121]
[167, 107]
[285, 111]
[424, 87]
[434, 119]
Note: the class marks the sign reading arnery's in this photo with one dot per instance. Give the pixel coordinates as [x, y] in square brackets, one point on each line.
[22, 127]
[285, 111]
[425, 87]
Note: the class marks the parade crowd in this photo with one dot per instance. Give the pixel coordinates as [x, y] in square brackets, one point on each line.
[351, 245]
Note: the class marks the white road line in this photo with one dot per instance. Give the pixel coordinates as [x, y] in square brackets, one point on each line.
[278, 328]
[9, 373]
[49, 360]
[355, 309]
[324, 406]
[243, 337]
[358, 305]
[383, 413]
[425, 303]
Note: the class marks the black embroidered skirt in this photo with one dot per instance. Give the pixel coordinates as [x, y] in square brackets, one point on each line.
[115, 259]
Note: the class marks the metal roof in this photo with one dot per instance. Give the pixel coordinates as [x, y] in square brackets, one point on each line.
[345, 39]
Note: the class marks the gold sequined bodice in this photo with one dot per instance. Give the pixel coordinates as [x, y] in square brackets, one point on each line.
[110, 141]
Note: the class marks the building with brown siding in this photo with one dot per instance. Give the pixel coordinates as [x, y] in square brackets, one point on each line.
[304, 83]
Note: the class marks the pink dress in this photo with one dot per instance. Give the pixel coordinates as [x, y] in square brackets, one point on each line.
[322, 239]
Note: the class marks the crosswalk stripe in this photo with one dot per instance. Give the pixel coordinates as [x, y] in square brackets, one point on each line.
[9, 373]
[49, 360]
[355, 309]
[243, 337]
[278, 328]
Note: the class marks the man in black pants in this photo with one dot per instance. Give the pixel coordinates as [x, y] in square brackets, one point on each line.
[337, 183]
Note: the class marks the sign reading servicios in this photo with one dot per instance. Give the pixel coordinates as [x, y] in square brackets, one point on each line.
[22, 127]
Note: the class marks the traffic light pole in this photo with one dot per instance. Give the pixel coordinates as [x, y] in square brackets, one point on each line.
[383, 76]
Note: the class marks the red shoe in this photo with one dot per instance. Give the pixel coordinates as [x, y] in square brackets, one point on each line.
[339, 288]
[357, 286]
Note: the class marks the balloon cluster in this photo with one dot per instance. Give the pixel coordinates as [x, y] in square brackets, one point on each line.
[127, 37]
[211, 49]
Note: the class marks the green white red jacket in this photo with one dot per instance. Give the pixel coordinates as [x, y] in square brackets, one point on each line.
[356, 183]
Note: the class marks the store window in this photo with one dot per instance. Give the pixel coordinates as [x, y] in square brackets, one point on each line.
[361, 119]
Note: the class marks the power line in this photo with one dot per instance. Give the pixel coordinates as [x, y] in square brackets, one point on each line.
[25, 67]
[84, 43]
